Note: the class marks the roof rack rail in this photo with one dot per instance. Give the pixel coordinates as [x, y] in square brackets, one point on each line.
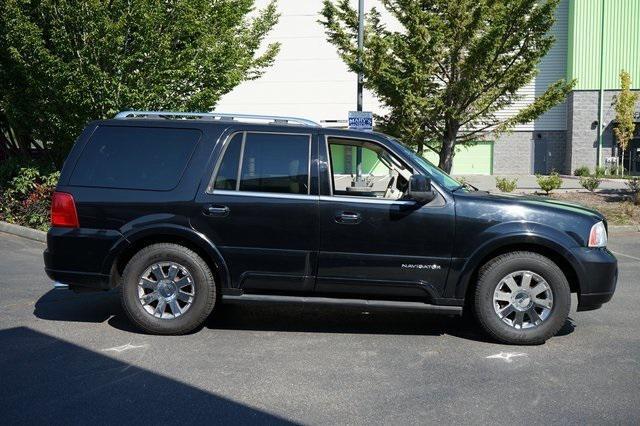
[274, 119]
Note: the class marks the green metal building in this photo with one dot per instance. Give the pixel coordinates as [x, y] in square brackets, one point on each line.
[603, 39]
[595, 40]
[603, 35]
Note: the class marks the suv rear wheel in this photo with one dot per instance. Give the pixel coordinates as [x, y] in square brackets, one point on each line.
[522, 298]
[167, 289]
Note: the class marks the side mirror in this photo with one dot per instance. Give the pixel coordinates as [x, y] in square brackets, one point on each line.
[420, 189]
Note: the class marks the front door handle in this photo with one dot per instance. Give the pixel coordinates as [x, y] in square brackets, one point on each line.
[218, 211]
[348, 218]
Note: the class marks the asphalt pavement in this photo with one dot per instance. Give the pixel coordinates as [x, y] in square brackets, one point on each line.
[70, 358]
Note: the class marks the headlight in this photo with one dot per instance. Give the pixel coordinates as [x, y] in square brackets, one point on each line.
[598, 235]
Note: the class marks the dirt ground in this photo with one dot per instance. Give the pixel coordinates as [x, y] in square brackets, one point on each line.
[617, 207]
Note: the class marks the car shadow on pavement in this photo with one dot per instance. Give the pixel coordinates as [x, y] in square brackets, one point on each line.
[63, 305]
[330, 319]
[46, 380]
[326, 319]
[105, 306]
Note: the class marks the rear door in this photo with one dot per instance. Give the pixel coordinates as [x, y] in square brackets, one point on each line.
[260, 209]
[374, 243]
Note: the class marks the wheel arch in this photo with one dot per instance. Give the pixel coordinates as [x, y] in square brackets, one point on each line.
[123, 251]
[542, 246]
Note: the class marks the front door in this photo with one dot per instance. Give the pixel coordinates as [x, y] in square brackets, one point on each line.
[372, 242]
[540, 156]
[260, 211]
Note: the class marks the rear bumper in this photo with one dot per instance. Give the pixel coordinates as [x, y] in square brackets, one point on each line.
[79, 279]
[79, 257]
[598, 277]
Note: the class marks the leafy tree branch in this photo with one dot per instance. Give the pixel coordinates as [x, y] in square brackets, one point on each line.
[66, 62]
[452, 67]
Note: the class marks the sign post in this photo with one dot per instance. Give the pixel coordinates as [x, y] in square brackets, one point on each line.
[361, 120]
[360, 47]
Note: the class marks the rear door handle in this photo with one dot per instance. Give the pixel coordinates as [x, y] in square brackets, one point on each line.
[348, 218]
[218, 211]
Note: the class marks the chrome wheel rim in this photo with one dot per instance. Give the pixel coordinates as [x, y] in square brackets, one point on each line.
[166, 290]
[523, 299]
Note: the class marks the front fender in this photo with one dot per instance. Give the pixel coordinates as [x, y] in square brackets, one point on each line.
[134, 234]
[503, 235]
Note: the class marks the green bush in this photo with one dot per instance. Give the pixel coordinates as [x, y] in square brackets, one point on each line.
[506, 185]
[634, 186]
[600, 171]
[582, 171]
[549, 183]
[590, 182]
[617, 170]
[10, 168]
[462, 180]
[26, 200]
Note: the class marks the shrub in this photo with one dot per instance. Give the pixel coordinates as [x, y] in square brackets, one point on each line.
[549, 183]
[617, 170]
[582, 171]
[506, 185]
[634, 186]
[8, 170]
[26, 200]
[462, 180]
[11, 167]
[590, 182]
[600, 171]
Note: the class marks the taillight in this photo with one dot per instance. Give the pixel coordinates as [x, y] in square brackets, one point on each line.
[63, 211]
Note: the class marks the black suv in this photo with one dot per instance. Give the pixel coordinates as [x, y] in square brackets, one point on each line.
[185, 210]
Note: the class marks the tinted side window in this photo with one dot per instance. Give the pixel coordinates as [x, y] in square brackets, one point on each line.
[275, 163]
[135, 158]
[227, 176]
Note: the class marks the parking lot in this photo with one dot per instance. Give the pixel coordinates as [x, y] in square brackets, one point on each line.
[74, 358]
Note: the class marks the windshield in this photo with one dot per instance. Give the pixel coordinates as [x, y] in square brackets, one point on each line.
[436, 174]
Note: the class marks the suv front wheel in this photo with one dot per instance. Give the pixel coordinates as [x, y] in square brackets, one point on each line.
[522, 298]
[167, 289]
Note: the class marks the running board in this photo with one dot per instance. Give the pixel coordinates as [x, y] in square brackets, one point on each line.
[355, 303]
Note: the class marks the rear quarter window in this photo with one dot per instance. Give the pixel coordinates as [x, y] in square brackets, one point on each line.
[144, 158]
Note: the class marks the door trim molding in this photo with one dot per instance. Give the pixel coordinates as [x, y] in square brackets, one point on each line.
[356, 303]
[363, 200]
[345, 199]
[265, 194]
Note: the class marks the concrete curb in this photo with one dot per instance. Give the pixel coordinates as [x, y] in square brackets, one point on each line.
[624, 228]
[614, 180]
[604, 179]
[23, 231]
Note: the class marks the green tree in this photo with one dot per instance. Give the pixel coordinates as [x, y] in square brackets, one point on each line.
[66, 62]
[625, 107]
[451, 68]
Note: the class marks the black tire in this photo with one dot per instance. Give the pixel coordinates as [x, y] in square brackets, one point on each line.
[499, 267]
[204, 298]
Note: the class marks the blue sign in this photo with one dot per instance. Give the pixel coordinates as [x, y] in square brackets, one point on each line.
[361, 120]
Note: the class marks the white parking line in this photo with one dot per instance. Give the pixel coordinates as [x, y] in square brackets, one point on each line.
[625, 255]
[125, 347]
[506, 356]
